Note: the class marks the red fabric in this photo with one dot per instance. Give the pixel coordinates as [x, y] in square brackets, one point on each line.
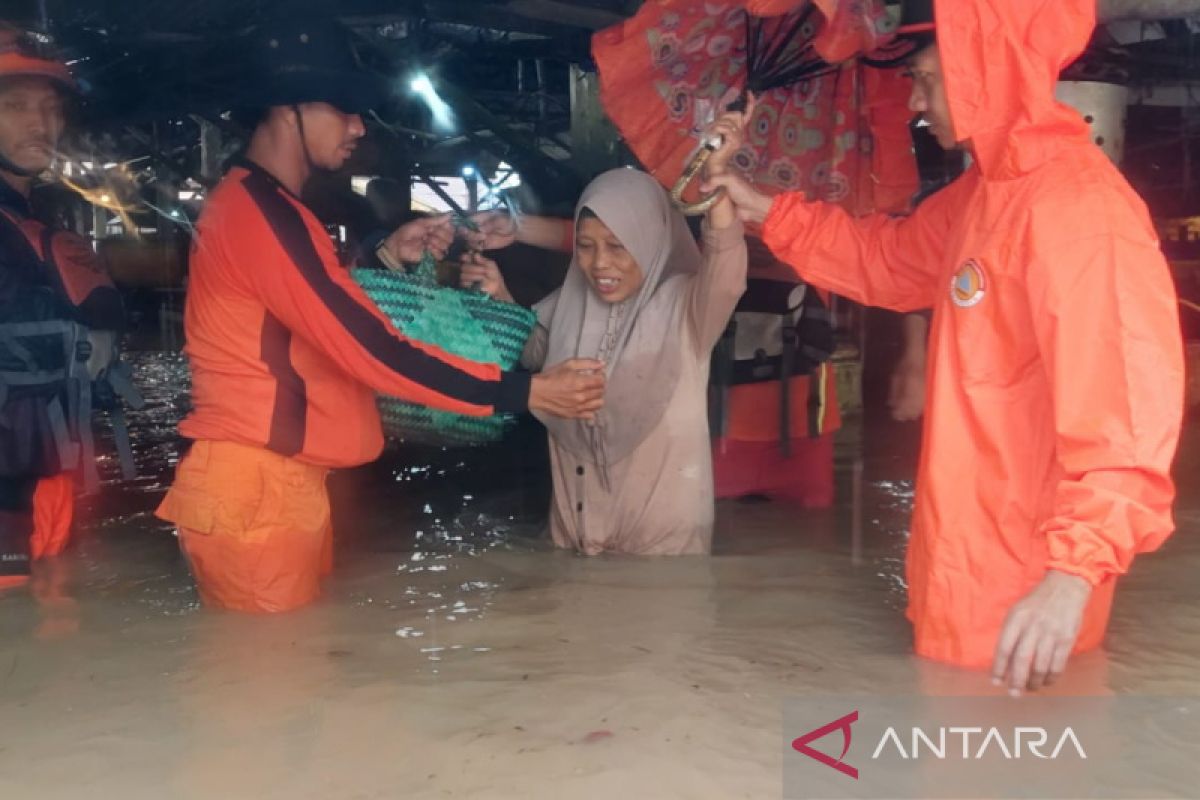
[806, 477]
[754, 409]
[773, 8]
[80, 268]
[1055, 361]
[853, 27]
[843, 137]
[14, 64]
[53, 514]
[80, 271]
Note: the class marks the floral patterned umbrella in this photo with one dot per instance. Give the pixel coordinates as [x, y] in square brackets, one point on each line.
[833, 128]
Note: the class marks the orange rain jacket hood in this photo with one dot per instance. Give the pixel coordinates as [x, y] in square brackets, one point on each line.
[1001, 61]
[1055, 358]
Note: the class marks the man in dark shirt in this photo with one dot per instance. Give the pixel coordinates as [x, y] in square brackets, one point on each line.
[54, 300]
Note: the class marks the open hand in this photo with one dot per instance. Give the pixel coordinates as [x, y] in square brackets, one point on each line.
[573, 389]
[752, 205]
[480, 272]
[1040, 632]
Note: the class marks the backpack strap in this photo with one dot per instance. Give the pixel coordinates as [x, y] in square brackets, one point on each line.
[76, 420]
[120, 428]
[787, 366]
[8, 339]
[118, 379]
[87, 441]
[68, 451]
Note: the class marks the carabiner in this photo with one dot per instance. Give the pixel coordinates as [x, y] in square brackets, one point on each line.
[697, 163]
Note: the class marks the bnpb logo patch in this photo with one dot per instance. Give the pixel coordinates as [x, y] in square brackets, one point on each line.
[969, 285]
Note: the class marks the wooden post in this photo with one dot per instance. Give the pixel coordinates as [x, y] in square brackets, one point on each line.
[210, 151]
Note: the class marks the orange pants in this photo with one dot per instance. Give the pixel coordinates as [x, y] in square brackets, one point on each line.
[53, 513]
[254, 526]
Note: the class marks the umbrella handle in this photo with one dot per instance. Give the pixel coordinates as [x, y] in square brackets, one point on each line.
[693, 168]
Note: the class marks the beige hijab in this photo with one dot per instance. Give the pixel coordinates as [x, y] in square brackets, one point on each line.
[645, 356]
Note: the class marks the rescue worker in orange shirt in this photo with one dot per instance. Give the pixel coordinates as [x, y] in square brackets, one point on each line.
[1055, 379]
[48, 278]
[287, 352]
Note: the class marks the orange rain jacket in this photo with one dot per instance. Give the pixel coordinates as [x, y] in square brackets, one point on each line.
[287, 352]
[1055, 369]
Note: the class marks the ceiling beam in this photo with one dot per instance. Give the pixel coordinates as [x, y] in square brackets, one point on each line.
[566, 13]
[493, 16]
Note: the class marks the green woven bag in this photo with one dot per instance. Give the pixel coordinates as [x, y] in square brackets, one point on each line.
[464, 323]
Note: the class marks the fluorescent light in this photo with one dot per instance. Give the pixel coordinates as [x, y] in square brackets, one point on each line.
[443, 117]
[422, 85]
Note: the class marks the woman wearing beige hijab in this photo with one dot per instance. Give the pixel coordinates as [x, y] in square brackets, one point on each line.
[641, 297]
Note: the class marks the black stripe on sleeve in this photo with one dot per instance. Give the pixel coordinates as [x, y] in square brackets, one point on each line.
[398, 355]
[289, 417]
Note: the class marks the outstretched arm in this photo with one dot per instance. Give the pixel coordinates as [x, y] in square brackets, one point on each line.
[498, 229]
[875, 260]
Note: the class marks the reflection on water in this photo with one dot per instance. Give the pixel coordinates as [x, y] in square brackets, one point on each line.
[457, 654]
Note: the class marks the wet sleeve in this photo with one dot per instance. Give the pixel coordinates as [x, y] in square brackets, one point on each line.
[369, 250]
[1105, 317]
[714, 292]
[534, 355]
[537, 349]
[85, 281]
[876, 260]
[297, 276]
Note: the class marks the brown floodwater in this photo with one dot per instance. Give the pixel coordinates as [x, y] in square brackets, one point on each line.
[455, 654]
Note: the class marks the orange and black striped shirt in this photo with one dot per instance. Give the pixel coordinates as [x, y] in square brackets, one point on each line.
[288, 353]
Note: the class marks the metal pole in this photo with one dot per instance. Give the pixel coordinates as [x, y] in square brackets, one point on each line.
[541, 88]
[43, 16]
[1110, 10]
[440, 192]
[856, 511]
[472, 194]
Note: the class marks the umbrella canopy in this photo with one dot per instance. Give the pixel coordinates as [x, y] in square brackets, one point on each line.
[830, 127]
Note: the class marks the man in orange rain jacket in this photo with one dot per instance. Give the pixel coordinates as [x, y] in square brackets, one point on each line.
[47, 277]
[1055, 359]
[287, 352]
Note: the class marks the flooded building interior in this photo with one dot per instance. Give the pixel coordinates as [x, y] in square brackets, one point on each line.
[457, 649]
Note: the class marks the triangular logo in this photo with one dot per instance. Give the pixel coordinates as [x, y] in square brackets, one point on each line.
[800, 745]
